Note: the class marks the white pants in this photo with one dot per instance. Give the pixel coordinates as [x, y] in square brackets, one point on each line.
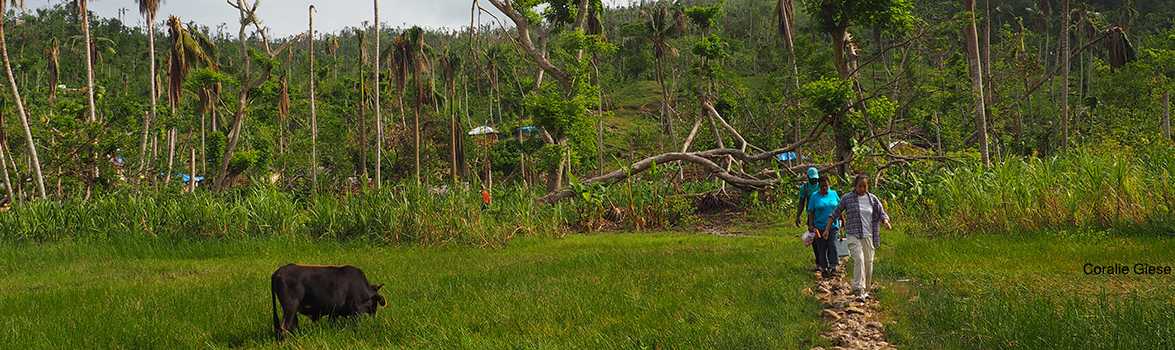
[861, 249]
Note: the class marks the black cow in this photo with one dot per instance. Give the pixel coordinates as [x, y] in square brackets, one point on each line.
[316, 291]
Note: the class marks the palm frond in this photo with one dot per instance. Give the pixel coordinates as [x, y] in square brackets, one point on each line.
[148, 8]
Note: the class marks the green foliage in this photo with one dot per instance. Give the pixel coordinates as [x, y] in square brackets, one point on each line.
[830, 15]
[828, 95]
[705, 17]
[243, 160]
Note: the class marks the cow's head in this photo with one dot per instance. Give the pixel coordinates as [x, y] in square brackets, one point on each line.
[375, 301]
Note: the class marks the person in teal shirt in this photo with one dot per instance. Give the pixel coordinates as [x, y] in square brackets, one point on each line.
[821, 206]
[806, 191]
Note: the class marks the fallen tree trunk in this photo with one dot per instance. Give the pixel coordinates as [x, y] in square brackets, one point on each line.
[644, 164]
[707, 159]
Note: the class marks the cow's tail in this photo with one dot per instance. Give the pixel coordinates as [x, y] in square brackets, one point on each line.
[277, 329]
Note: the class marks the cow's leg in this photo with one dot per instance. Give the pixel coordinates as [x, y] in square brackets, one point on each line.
[290, 306]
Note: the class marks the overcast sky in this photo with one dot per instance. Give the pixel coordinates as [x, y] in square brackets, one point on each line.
[285, 17]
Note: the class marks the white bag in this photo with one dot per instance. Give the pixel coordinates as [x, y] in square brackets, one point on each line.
[808, 237]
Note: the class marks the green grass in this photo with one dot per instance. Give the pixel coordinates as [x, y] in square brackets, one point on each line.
[1027, 291]
[583, 291]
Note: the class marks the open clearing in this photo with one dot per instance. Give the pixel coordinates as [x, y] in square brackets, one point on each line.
[672, 290]
[583, 291]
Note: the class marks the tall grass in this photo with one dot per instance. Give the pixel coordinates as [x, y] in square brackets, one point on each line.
[402, 214]
[397, 215]
[1102, 187]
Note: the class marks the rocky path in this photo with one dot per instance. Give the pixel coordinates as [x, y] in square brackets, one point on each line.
[852, 324]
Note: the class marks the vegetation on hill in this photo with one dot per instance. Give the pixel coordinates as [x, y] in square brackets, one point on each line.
[841, 82]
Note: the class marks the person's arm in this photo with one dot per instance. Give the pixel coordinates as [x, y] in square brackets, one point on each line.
[835, 214]
[803, 204]
[878, 207]
[812, 223]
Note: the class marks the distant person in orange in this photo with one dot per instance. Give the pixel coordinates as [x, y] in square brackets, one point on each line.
[486, 199]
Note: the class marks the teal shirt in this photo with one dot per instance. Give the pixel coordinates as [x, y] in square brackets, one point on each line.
[807, 189]
[822, 207]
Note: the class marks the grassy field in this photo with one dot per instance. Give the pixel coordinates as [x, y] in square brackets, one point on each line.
[583, 291]
[1027, 292]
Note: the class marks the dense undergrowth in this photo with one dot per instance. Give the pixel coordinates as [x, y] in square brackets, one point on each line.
[405, 214]
[1094, 188]
[1099, 188]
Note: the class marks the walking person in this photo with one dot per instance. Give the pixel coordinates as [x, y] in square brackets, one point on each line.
[806, 191]
[821, 205]
[862, 215]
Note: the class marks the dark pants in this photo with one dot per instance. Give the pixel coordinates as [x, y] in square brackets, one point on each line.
[825, 250]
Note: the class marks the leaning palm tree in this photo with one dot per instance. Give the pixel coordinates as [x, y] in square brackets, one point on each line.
[186, 49]
[149, 9]
[24, 117]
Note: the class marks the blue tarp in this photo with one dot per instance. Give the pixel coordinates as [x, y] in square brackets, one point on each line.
[786, 156]
[185, 178]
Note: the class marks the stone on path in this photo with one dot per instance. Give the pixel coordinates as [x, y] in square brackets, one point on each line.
[851, 324]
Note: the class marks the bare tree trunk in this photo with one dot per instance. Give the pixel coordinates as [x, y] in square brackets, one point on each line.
[362, 127]
[416, 119]
[203, 142]
[599, 119]
[148, 118]
[841, 132]
[313, 111]
[379, 122]
[24, 117]
[171, 141]
[453, 130]
[988, 78]
[1064, 52]
[1167, 114]
[4, 166]
[976, 65]
[666, 110]
[192, 171]
[154, 160]
[83, 8]
[242, 99]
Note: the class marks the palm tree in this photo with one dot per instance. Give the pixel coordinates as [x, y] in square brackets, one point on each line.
[417, 63]
[24, 117]
[84, 13]
[663, 26]
[379, 121]
[785, 16]
[450, 65]
[53, 53]
[313, 111]
[149, 9]
[186, 49]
